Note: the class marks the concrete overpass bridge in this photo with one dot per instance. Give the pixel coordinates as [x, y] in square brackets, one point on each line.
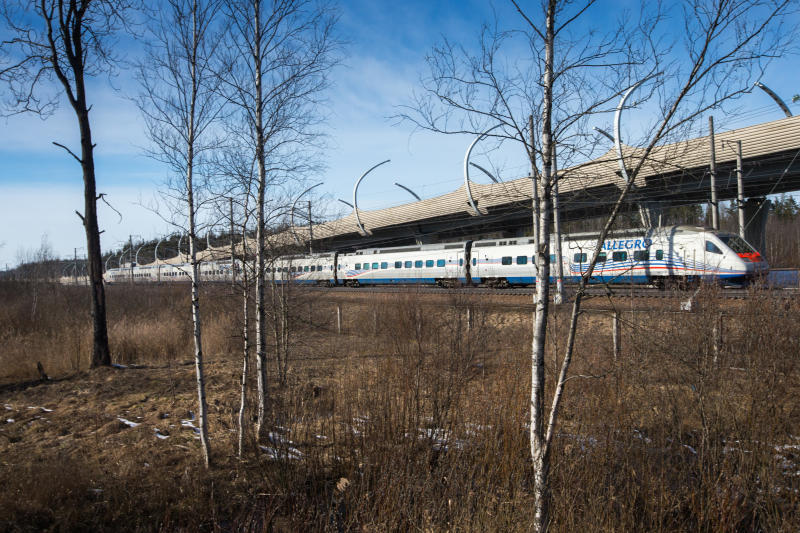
[674, 175]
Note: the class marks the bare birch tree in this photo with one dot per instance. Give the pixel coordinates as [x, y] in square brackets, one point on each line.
[181, 104]
[573, 73]
[54, 46]
[280, 56]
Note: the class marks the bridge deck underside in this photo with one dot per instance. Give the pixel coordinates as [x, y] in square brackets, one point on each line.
[776, 174]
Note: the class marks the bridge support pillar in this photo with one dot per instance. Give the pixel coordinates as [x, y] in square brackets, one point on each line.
[756, 211]
[651, 213]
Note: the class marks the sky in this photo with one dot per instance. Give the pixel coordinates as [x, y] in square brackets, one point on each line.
[383, 59]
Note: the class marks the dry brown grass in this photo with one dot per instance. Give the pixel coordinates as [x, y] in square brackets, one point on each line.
[408, 420]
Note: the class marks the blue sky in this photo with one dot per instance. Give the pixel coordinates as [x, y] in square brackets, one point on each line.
[40, 185]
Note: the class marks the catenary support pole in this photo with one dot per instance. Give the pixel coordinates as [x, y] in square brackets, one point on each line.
[233, 248]
[310, 230]
[615, 334]
[130, 255]
[558, 297]
[339, 319]
[713, 173]
[717, 334]
[740, 188]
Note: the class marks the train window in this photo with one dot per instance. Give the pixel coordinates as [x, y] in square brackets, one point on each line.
[338, 267]
[461, 262]
[736, 243]
[365, 266]
[506, 260]
[641, 255]
[659, 254]
[429, 263]
[711, 247]
[314, 267]
[305, 268]
[619, 256]
[552, 258]
[579, 258]
[440, 262]
[384, 265]
[522, 259]
[601, 257]
[375, 266]
[408, 264]
[417, 264]
[501, 243]
[358, 266]
[474, 261]
[398, 264]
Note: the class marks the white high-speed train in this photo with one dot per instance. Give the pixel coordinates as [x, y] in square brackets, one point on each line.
[636, 256]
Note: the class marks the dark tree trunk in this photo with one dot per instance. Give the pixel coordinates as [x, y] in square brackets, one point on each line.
[101, 356]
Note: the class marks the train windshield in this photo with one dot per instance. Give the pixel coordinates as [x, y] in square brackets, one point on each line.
[737, 244]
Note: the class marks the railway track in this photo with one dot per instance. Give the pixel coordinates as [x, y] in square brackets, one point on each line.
[593, 291]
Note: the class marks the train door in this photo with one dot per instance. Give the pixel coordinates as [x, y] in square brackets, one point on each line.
[452, 270]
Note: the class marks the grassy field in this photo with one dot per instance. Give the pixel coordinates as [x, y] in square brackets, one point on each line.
[410, 419]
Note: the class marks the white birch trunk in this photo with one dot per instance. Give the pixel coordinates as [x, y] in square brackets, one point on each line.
[539, 446]
[245, 355]
[197, 326]
[261, 321]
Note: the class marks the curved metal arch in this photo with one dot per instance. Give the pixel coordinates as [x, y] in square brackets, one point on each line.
[155, 252]
[470, 199]
[644, 213]
[491, 176]
[136, 256]
[775, 97]
[291, 212]
[361, 227]
[345, 202]
[604, 133]
[107, 260]
[119, 258]
[617, 137]
[412, 193]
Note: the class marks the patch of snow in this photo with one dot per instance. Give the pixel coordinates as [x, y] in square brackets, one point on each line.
[190, 425]
[8, 407]
[117, 365]
[694, 452]
[639, 435]
[128, 422]
[46, 410]
[322, 437]
[160, 435]
[96, 491]
[9, 420]
[290, 453]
